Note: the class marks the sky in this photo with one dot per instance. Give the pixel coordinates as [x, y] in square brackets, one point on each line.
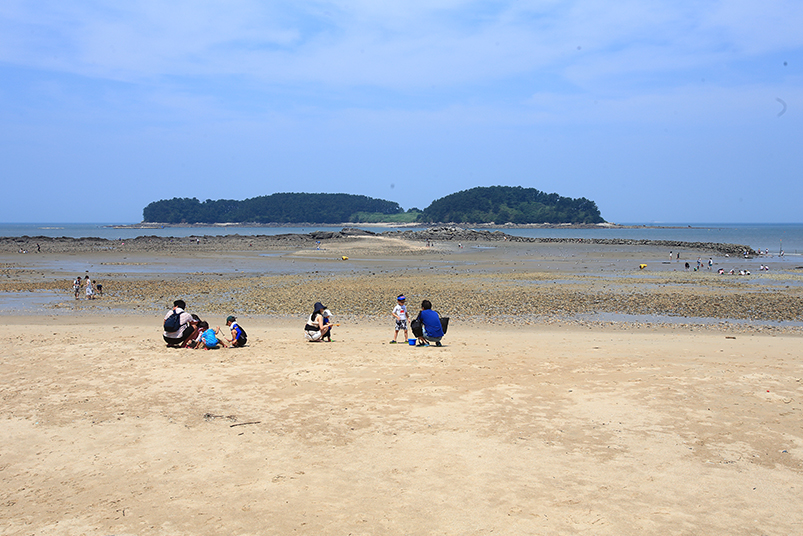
[658, 110]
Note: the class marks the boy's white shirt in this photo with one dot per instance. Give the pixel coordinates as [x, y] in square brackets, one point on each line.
[400, 311]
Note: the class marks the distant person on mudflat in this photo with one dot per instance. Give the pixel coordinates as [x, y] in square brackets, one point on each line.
[76, 286]
[90, 290]
[431, 323]
[179, 325]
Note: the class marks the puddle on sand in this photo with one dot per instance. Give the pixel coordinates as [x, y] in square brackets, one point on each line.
[30, 302]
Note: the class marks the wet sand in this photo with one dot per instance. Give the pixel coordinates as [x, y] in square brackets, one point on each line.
[530, 420]
[519, 283]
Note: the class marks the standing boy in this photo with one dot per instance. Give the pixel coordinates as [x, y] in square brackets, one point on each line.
[400, 314]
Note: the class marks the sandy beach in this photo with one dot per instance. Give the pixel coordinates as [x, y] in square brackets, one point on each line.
[561, 403]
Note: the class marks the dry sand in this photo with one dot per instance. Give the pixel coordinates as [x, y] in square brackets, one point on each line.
[514, 427]
[503, 431]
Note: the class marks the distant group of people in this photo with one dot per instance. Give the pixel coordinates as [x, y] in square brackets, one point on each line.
[721, 271]
[23, 250]
[766, 253]
[185, 330]
[89, 286]
[700, 263]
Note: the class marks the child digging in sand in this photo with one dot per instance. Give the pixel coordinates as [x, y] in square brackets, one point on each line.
[400, 314]
[238, 335]
[209, 337]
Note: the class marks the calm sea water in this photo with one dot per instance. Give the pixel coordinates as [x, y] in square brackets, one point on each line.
[774, 237]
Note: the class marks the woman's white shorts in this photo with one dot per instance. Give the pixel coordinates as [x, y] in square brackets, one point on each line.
[312, 335]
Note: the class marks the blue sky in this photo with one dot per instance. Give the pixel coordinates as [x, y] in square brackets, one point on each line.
[660, 111]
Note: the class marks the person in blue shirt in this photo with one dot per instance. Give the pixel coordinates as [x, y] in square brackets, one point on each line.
[208, 339]
[431, 322]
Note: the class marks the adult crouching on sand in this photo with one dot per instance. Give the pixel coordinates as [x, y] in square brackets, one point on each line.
[431, 323]
[179, 325]
[315, 329]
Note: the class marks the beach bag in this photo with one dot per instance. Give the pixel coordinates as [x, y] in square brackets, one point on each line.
[173, 323]
[417, 327]
[444, 324]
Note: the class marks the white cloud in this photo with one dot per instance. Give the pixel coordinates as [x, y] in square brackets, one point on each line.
[390, 45]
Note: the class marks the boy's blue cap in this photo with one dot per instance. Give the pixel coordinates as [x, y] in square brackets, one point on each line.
[401, 297]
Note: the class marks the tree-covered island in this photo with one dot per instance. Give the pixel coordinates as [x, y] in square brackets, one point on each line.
[497, 204]
[510, 204]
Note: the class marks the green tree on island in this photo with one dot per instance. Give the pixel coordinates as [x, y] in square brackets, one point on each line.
[510, 204]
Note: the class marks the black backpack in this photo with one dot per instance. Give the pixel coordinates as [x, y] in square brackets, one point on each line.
[173, 323]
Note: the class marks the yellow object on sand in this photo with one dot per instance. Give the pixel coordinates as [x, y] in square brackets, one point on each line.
[344, 258]
[642, 266]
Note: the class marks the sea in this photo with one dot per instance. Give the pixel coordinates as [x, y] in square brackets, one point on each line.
[774, 237]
